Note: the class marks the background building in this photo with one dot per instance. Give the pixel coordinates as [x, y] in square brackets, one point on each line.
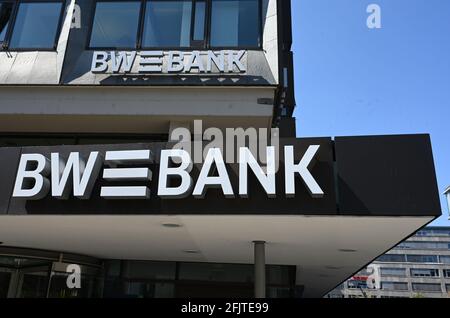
[417, 267]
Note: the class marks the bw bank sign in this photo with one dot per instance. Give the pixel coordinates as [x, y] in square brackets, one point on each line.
[171, 62]
[131, 172]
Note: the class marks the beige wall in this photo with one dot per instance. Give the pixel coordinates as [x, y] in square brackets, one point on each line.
[128, 109]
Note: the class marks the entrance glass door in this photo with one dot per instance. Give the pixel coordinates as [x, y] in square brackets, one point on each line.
[33, 282]
[23, 278]
[36, 278]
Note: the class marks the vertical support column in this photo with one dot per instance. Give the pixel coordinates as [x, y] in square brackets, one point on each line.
[260, 269]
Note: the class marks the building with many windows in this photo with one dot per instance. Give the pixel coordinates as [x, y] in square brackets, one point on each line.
[417, 267]
[95, 97]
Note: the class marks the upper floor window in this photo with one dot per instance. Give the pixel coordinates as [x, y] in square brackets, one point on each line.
[447, 273]
[399, 272]
[115, 24]
[394, 286]
[177, 24]
[167, 24]
[422, 258]
[6, 9]
[424, 245]
[235, 23]
[391, 258]
[445, 259]
[34, 24]
[423, 272]
[424, 287]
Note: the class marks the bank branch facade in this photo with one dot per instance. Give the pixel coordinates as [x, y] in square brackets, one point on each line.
[94, 99]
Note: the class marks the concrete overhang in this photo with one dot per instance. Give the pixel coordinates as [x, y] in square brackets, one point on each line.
[326, 249]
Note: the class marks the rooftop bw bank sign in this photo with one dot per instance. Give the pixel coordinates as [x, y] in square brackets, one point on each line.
[226, 61]
[39, 176]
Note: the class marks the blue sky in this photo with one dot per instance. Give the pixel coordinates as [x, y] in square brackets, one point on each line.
[352, 80]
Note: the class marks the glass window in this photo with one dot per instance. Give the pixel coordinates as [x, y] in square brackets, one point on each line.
[447, 273]
[448, 288]
[421, 272]
[199, 20]
[5, 17]
[279, 275]
[167, 24]
[149, 270]
[422, 258]
[149, 290]
[235, 23]
[394, 286]
[391, 258]
[353, 284]
[115, 24]
[399, 272]
[278, 292]
[58, 287]
[34, 285]
[216, 272]
[424, 245]
[426, 287]
[445, 259]
[434, 232]
[5, 278]
[36, 25]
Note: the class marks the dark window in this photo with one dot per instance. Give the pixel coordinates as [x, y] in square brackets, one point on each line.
[5, 278]
[235, 23]
[421, 272]
[167, 24]
[394, 286]
[426, 287]
[5, 18]
[115, 24]
[170, 279]
[391, 258]
[447, 273]
[357, 284]
[36, 25]
[422, 258]
[216, 272]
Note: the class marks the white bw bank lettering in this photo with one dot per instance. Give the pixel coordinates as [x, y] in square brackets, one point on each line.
[37, 175]
[225, 61]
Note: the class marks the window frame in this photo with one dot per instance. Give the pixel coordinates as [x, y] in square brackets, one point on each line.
[398, 284]
[400, 269]
[260, 29]
[194, 44]
[139, 27]
[5, 45]
[414, 286]
[414, 272]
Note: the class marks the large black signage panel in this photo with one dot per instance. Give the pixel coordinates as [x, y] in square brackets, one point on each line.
[366, 176]
[389, 175]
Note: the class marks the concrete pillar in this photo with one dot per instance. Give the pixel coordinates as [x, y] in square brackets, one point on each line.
[260, 269]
